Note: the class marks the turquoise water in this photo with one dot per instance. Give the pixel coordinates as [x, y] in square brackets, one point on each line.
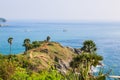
[105, 35]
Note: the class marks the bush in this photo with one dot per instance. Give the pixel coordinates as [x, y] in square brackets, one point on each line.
[20, 74]
[7, 69]
[51, 75]
[35, 44]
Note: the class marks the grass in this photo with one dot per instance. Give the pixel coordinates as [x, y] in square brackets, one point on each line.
[44, 56]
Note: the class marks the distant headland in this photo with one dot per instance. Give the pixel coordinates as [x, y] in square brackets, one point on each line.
[2, 20]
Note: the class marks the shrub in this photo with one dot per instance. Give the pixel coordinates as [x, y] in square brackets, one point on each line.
[7, 69]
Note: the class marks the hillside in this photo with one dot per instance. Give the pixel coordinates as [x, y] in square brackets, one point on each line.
[47, 55]
[44, 60]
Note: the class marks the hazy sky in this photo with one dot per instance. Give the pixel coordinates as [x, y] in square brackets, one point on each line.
[91, 10]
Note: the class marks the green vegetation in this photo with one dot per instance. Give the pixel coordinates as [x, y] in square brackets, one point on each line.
[83, 63]
[36, 44]
[45, 60]
[89, 46]
[48, 38]
[26, 44]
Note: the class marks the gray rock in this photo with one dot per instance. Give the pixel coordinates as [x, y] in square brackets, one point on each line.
[62, 66]
[77, 51]
[70, 48]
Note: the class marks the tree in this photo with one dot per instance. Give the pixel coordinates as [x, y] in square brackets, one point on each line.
[48, 38]
[89, 46]
[10, 42]
[83, 63]
[26, 44]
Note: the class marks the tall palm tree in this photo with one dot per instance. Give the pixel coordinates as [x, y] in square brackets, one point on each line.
[26, 44]
[89, 46]
[48, 38]
[10, 42]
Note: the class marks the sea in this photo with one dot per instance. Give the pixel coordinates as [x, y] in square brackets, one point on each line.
[106, 35]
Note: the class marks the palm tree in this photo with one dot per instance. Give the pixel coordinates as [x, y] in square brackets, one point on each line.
[26, 44]
[10, 42]
[84, 62]
[48, 38]
[89, 46]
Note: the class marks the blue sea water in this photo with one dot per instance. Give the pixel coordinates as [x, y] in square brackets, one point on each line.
[105, 35]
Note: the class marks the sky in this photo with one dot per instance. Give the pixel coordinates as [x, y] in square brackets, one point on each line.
[77, 10]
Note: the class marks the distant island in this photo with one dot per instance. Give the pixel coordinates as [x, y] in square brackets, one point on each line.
[2, 20]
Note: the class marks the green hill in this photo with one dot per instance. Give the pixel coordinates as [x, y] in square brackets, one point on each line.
[49, 54]
[36, 61]
[44, 60]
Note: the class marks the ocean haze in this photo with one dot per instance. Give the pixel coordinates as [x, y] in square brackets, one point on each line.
[91, 10]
